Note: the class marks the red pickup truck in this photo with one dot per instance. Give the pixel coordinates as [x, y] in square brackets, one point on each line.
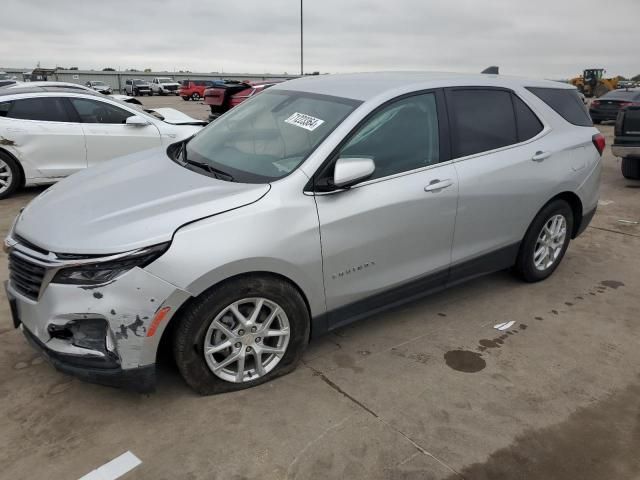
[194, 89]
[224, 97]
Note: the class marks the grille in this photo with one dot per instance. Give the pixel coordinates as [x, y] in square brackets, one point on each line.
[25, 276]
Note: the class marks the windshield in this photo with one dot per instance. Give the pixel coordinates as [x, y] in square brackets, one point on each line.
[269, 136]
[165, 80]
[139, 82]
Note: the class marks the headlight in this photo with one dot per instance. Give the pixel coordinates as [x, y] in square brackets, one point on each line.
[99, 272]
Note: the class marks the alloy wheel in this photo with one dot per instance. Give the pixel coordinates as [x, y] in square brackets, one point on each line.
[246, 340]
[550, 242]
[6, 176]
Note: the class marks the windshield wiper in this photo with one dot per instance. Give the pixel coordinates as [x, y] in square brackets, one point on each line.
[217, 173]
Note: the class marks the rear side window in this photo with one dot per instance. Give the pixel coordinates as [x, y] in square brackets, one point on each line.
[482, 120]
[566, 103]
[527, 123]
[45, 109]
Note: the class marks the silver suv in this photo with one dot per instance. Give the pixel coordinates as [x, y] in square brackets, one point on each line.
[310, 206]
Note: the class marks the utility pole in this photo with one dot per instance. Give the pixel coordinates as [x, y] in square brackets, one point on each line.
[301, 42]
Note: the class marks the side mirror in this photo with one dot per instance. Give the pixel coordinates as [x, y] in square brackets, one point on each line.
[349, 171]
[136, 121]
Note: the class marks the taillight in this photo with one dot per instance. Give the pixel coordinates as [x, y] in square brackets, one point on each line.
[595, 103]
[599, 142]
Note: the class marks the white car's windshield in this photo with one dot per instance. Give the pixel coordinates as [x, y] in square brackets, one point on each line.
[268, 136]
[165, 80]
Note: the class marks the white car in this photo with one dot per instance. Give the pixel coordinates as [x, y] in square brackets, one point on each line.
[164, 86]
[99, 87]
[48, 133]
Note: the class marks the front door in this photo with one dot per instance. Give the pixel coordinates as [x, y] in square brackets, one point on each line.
[389, 238]
[107, 135]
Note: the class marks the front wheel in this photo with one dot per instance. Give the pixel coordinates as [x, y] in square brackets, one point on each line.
[545, 242]
[195, 96]
[240, 334]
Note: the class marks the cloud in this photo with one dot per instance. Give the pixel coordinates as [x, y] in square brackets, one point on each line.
[545, 38]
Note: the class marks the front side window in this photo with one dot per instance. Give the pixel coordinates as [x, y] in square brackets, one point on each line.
[4, 108]
[482, 120]
[46, 109]
[93, 111]
[268, 136]
[400, 137]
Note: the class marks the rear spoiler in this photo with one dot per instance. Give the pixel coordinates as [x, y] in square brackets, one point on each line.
[493, 70]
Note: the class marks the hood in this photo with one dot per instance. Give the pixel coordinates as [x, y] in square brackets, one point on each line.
[127, 203]
[176, 117]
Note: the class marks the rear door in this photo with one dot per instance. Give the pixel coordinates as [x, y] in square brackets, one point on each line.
[47, 140]
[106, 133]
[389, 237]
[503, 177]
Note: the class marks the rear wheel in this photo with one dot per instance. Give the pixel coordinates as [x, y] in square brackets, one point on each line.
[631, 168]
[545, 242]
[240, 334]
[185, 98]
[10, 175]
[195, 96]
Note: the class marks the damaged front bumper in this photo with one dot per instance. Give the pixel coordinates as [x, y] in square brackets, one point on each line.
[107, 334]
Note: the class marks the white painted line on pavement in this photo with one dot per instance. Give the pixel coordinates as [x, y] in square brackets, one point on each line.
[115, 468]
[504, 326]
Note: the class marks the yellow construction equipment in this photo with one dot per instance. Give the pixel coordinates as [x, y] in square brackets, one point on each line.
[593, 84]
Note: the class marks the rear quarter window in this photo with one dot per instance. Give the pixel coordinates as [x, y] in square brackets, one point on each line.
[566, 103]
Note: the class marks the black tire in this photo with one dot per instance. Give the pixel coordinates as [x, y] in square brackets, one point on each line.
[135, 93]
[525, 265]
[195, 96]
[631, 168]
[597, 122]
[188, 339]
[185, 98]
[16, 175]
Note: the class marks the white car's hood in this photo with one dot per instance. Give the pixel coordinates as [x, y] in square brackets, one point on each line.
[127, 203]
[176, 117]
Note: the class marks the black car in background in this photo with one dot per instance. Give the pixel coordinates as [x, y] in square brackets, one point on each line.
[627, 141]
[607, 106]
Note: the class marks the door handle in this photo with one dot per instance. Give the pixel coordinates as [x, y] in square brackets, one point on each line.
[540, 156]
[437, 185]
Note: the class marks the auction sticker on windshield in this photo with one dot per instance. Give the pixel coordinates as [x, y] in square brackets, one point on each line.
[304, 121]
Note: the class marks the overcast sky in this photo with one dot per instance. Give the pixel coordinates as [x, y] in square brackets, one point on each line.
[539, 38]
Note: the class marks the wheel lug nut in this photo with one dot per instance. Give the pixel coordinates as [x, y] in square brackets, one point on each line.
[258, 339]
[240, 332]
[253, 329]
[238, 345]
